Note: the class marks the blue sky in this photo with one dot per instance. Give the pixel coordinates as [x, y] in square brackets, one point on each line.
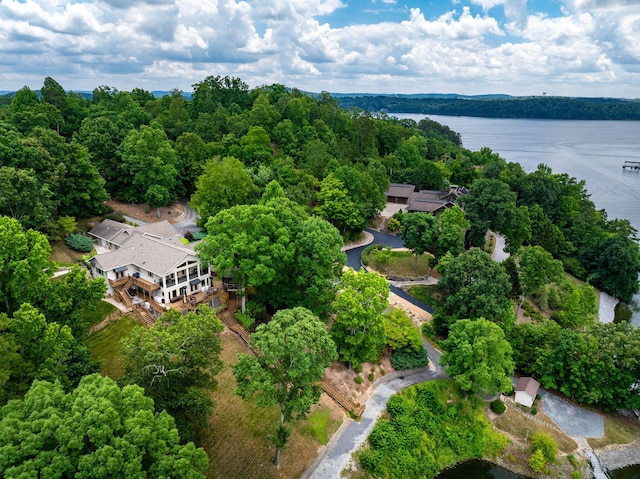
[517, 47]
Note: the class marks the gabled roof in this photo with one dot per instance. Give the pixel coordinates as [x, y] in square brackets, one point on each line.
[119, 233]
[400, 190]
[426, 204]
[156, 256]
[112, 231]
[528, 385]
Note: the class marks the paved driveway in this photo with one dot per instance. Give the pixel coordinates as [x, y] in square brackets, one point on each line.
[573, 420]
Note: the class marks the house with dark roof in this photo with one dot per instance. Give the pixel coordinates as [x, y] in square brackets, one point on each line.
[399, 193]
[149, 267]
[427, 201]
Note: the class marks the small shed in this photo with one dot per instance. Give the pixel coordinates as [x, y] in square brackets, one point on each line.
[526, 391]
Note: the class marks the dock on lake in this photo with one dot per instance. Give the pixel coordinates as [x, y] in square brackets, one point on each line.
[632, 165]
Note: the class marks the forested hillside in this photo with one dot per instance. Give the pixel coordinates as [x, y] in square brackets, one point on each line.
[544, 107]
[279, 180]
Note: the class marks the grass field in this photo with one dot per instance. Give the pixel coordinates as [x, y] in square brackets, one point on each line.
[237, 444]
[105, 345]
[617, 430]
[521, 428]
[398, 263]
[92, 316]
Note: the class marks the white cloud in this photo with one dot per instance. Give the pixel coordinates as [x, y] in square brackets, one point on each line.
[590, 49]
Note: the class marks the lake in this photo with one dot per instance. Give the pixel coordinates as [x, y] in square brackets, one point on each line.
[593, 151]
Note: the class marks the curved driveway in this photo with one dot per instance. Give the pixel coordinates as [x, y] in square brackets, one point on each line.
[353, 261]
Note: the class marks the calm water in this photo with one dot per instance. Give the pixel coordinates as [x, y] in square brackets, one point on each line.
[593, 151]
[478, 470]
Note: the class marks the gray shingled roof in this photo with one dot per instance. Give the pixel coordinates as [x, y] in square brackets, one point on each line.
[154, 255]
[427, 205]
[400, 190]
[112, 231]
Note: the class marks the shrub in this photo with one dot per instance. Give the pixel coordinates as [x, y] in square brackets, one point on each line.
[198, 235]
[393, 225]
[189, 235]
[358, 379]
[537, 462]
[428, 331]
[498, 406]
[534, 411]
[574, 267]
[115, 216]
[79, 243]
[245, 319]
[404, 358]
[542, 441]
[371, 376]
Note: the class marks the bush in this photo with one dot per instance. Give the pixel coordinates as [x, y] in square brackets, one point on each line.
[404, 358]
[534, 411]
[79, 243]
[245, 319]
[371, 376]
[358, 379]
[498, 406]
[198, 235]
[115, 216]
[542, 441]
[428, 331]
[537, 462]
[574, 267]
[393, 225]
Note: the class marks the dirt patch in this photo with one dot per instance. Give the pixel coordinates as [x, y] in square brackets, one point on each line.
[174, 212]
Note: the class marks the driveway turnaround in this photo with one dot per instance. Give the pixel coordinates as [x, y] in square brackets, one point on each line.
[573, 420]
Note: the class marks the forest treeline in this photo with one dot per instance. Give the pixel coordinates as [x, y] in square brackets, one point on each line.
[279, 180]
[542, 107]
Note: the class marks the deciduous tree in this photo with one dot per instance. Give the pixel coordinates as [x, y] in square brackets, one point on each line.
[478, 357]
[176, 362]
[359, 326]
[98, 430]
[419, 231]
[292, 351]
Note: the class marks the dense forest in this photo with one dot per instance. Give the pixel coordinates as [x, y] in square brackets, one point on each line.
[279, 180]
[543, 107]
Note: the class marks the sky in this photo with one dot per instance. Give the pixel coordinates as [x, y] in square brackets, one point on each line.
[472, 47]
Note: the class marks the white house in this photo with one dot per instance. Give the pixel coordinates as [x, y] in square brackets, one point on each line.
[149, 265]
[526, 390]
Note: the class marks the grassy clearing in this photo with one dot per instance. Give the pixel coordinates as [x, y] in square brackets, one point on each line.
[105, 345]
[617, 430]
[62, 255]
[237, 443]
[427, 294]
[398, 263]
[93, 315]
[520, 428]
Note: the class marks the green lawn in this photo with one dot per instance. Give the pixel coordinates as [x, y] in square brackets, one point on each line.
[93, 315]
[105, 345]
[427, 294]
[398, 263]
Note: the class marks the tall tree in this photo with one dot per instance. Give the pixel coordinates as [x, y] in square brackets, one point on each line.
[147, 159]
[292, 352]
[478, 357]
[25, 268]
[618, 265]
[223, 184]
[98, 430]
[176, 362]
[453, 226]
[475, 287]
[419, 231]
[359, 326]
[537, 268]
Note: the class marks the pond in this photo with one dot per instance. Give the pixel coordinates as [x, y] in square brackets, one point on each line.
[631, 472]
[478, 470]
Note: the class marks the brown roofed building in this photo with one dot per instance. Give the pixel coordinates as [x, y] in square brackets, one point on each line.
[526, 391]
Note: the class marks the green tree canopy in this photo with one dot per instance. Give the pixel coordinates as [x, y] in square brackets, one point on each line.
[292, 352]
[475, 287]
[419, 231]
[359, 325]
[537, 268]
[478, 357]
[176, 362]
[223, 184]
[98, 430]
